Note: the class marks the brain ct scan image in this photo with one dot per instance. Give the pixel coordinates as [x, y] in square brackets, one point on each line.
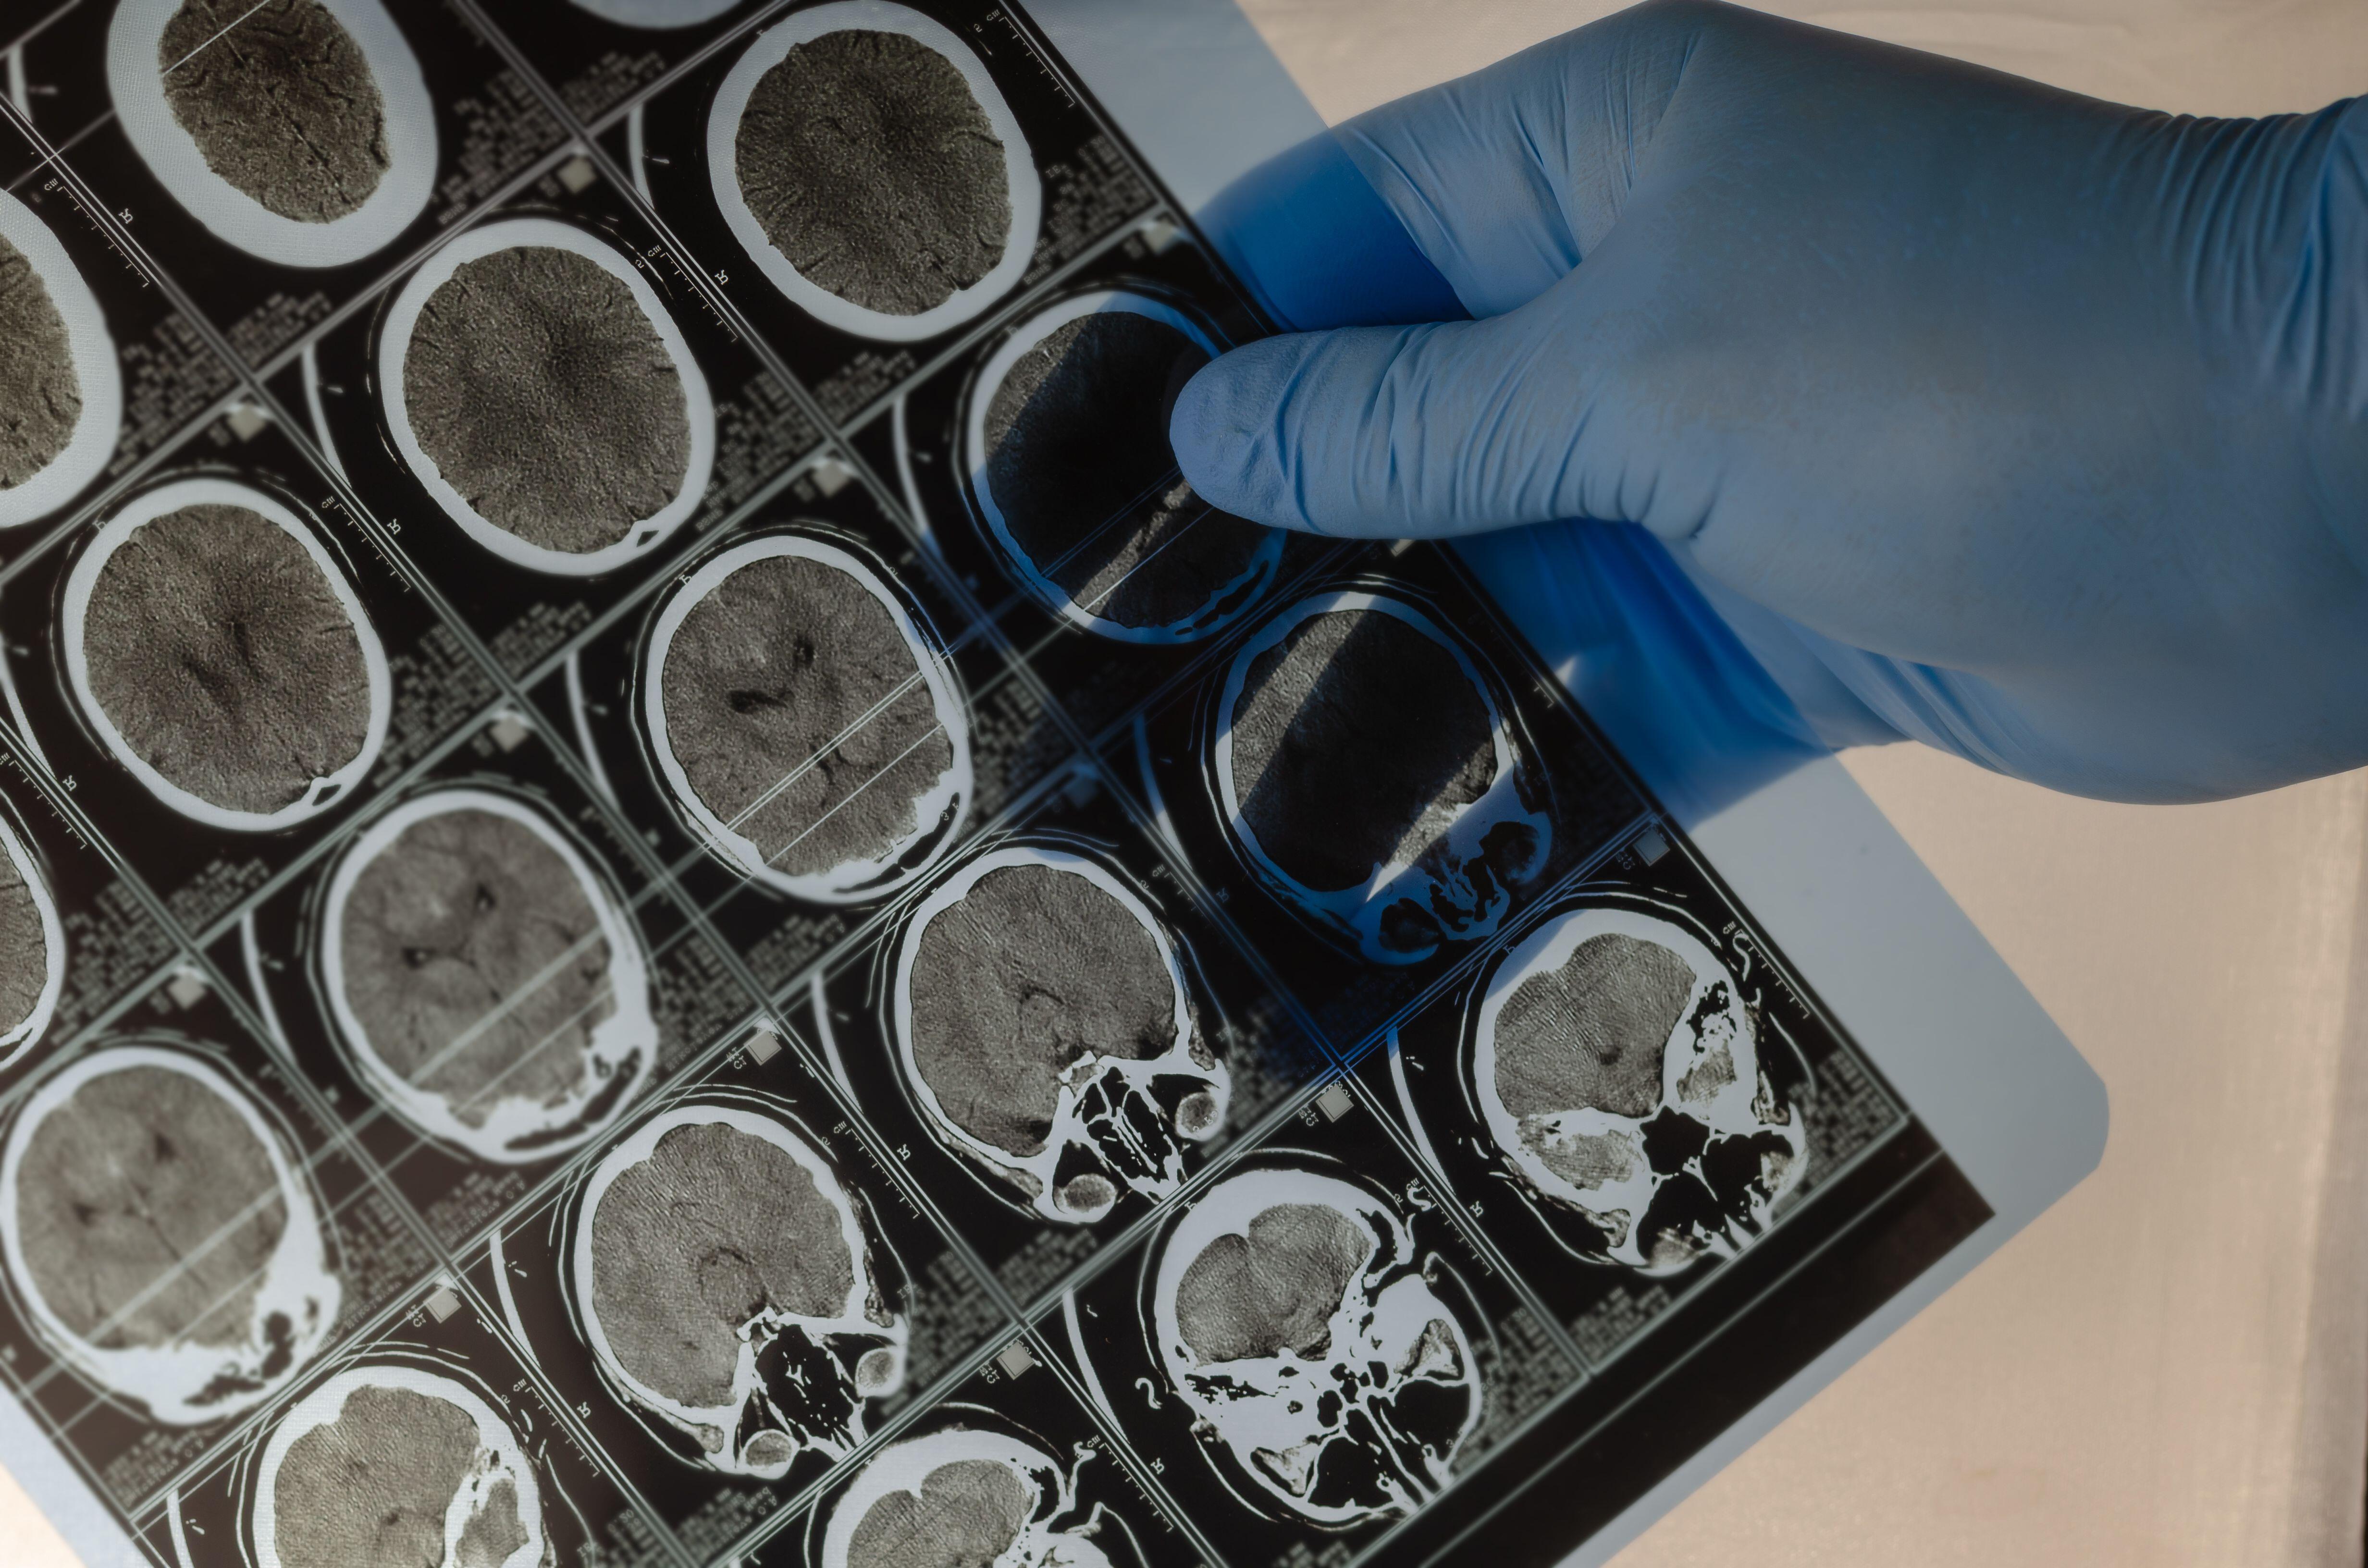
[1398, 839]
[657, 15]
[222, 656]
[1069, 462]
[298, 130]
[1044, 1026]
[1618, 1071]
[61, 390]
[32, 948]
[805, 724]
[867, 161]
[728, 1283]
[1292, 1315]
[536, 386]
[393, 1466]
[966, 1497]
[482, 976]
[160, 1237]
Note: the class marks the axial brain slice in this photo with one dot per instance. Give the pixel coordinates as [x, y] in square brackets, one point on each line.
[281, 102]
[691, 1244]
[545, 397]
[1273, 1288]
[967, 1514]
[870, 166]
[1079, 466]
[40, 393]
[372, 1488]
[24, 947]
[220, 653]
[1590, 1034]
[795, 710]
[1331, 778]
[474, 961]
[1032, 970]
[146, 1210]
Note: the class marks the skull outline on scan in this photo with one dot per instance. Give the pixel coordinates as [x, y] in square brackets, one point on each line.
[997, 1493]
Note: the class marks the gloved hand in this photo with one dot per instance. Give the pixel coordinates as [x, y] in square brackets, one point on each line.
[2032, 426]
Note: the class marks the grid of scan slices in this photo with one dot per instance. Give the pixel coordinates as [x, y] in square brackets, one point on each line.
[523, 1089]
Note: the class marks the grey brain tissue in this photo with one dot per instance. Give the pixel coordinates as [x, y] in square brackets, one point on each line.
[24, 949]
[770, 686]
[281, 102]
[967, 1514]
[1591, 1033]
[1329, 778]
[475, 961]
[371, 1488]
[546, 398]
[870, 166]
[1032, 970]
[690, 1246]
[1274, 1288]
[222, 656]
[40, 393]
[146, 1209]
[1078, 463]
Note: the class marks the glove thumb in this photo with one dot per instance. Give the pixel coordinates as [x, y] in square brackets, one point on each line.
[1410, 432]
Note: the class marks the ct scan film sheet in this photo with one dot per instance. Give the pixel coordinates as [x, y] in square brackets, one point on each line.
[667, 901]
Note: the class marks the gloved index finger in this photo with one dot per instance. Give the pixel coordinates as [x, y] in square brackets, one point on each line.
[1508, 178]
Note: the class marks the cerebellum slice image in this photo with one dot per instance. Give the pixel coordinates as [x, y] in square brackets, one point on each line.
[1617, 1068]
[157, 1232]
[60, 389]
[1292, 1314]
[968, 1497]
[1078, 488]
[728, 1284]
[1365, 767]
[866, 159]
[32, 948]
[481, 976]
[537, 385]
[222, 657]
[806, 725]
[279, 100]
[298, 130]
[394, 1466]
[1043, 1027]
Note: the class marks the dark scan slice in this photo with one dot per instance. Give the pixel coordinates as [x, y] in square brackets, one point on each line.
[1032, 970]
[24, 947]
[475, 963]
[544, 396]
[1355, 739]
[966, 1516]
[144, 1185]
[870, 166]
[1273, 1289]
[40, 393]
[770, 689]
[692, 1244]
[1590, 1035]
[279, 100]
[222, 657]
[372, 1488]
[1078, 463]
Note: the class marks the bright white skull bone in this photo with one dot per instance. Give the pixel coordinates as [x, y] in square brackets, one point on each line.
[1397, 838]
[1617, 1068]
[728, 1287]
[960, 1498]
[1293, 1318]
[1043, 1028]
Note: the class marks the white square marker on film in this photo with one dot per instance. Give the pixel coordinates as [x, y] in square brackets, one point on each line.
[831, 476]
[1335, 1101]
[1651, 847]
[187, 989]
[246, 421]
[508, 731]
[576, 172]
[1015, 1359]
[763, 1046]
[443, 1302]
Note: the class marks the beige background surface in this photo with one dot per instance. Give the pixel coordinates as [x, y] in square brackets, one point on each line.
[2170, 1368]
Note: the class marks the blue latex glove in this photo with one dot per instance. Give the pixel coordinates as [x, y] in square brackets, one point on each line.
[2029, 425]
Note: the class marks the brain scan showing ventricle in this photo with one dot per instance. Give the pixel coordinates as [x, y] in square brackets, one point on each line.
[1292, 1314]
[161, 1237]
[1617, 1068]
[1043, 1027]
[970, 1498]
[732, 1291]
